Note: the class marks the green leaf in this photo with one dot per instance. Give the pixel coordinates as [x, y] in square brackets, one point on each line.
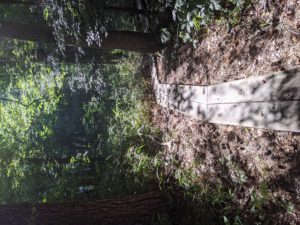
[46, 13]
[226, 220]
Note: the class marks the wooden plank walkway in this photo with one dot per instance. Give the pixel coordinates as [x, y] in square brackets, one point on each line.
[271, 101]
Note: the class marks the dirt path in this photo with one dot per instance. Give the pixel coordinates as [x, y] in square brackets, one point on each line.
[271, 101]
[266, 40]
[237, 158]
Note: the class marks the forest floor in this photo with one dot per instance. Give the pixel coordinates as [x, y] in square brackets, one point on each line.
[261, 166]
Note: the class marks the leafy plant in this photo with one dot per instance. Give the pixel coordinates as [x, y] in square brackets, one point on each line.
[192, 17]
[236, 221]
[288, 206]
[260, 197]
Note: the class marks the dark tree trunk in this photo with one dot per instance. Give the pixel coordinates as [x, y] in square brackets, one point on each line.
[95, 55]
[125, 40]
[124, 211]
[92, 54]
[26, 32]
[132, 41]
[16, 2]
[128, 10]
[71, 56]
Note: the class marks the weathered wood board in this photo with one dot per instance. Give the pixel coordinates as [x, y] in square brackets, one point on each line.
[273, 115]
[187, 93]
[194, 109]
[271, 101]
[272, 87]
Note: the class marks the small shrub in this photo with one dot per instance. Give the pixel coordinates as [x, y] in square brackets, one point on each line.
[192, 16]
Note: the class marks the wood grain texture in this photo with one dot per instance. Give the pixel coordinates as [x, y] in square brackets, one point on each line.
[271, 101]
[272, 87]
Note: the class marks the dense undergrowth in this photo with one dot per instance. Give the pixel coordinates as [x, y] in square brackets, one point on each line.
[192, 18]
[73, 132]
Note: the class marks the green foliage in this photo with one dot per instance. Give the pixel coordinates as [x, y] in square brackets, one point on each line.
[85, 22]
[143, 165]
[46, 13]
[128, 125]
[15, 12]
[236, 221]
[162, 219]
[117, 121]
[260, 197]
[27, 104]
[192, 17]
[236, 174]
[81, 131]
[65, 129]
[286, 205]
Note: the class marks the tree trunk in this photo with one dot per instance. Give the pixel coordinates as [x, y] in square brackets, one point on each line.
[132, 41]
[97, 56]
[128, 10]
[116, 39]
[16, 2]
[133, 210]
[40, 56]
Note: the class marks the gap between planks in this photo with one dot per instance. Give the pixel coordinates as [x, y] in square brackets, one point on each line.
[270, 101]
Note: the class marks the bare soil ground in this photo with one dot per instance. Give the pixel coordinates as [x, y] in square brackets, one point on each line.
[266, 40]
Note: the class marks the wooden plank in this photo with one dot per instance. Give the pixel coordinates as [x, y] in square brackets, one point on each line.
[271, 101]
[163, 100]
[164, 88]
[154, 78]
[283, 115]
[194, 109]
[273, 87]
[187, 93]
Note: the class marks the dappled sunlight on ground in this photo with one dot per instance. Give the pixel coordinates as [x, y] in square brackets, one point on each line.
[231, 156]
